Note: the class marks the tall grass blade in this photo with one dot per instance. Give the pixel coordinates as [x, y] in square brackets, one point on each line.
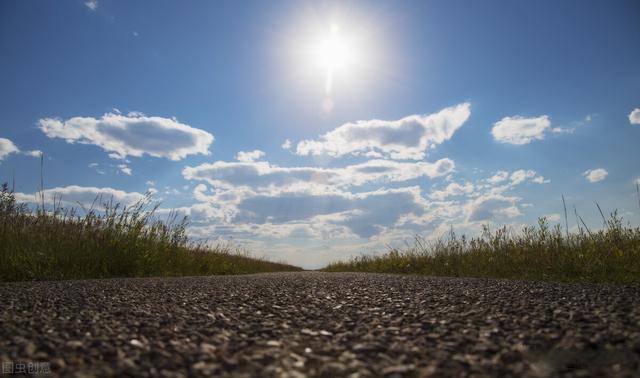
[566, 218]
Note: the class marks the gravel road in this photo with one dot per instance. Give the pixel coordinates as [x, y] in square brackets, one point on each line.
[321, 324]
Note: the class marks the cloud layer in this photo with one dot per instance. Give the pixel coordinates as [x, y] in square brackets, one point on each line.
[520, 130]
[263, 176]
[407, 138]
[73, 195]
[134, 134]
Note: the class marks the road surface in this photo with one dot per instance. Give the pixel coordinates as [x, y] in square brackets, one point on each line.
[320, 324]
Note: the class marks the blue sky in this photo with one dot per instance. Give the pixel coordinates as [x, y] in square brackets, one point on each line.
[314, 131]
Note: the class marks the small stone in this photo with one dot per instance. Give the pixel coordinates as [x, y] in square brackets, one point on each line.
[307, 331]
[398, 369]
[136, 343]
[207, 348]
[74, 344]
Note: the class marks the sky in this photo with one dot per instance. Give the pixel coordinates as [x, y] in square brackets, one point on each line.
[310, 132]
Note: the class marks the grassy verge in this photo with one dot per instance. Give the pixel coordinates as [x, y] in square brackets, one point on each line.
[114, 242]
[538, 253]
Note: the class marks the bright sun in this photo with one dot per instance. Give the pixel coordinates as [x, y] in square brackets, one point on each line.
[333, 55]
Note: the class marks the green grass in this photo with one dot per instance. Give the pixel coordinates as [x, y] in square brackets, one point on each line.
[538, 253]
[113, 242]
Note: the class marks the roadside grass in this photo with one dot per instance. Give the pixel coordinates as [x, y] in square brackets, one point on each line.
[112, 242]
[537, 253]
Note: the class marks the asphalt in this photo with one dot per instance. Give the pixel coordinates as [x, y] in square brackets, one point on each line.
[320, 324]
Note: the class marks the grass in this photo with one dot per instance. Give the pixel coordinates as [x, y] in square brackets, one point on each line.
[113, 242]
[537, 252]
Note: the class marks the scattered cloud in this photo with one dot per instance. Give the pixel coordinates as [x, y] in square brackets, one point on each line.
[258, 199]
[595, 175]
[134, 134]
[519, 130]
[91, 4]
[125, 169]
[95, 167]
[521, 175]
[407, 138]
[286, 145]
[634, 116]
[573, 126]
[249, 156]
[502, 181]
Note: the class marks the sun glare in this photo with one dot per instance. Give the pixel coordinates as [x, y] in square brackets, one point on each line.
[332, 54]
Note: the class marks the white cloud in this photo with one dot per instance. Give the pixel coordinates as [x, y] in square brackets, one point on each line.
[286, 145]
[125, 169]
[555, 217]
[131, 135]
[521, 175]
[563, 130]
[249, 156]
[500, 176]
[73, 195]
[266, 177]
[595, 175]
[453, 189]
[258, 201]
[502, 181]
[519, 130]
[634, 116]
[91, 4]
[312, 215]
[363, 214]
[7, 148]
[407, 138]
[33, 153]
[491, 207]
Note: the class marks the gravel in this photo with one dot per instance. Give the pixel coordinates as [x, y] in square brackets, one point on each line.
[321, 324]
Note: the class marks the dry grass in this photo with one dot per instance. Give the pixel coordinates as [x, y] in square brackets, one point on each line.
[540, 253]
[112, 242]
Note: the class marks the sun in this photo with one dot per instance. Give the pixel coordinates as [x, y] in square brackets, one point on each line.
[333, 55]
